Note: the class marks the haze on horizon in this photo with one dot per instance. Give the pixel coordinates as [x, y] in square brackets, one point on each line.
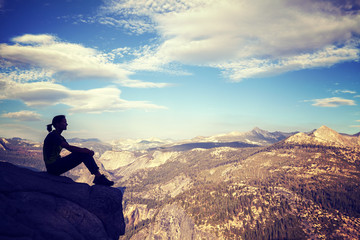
[178, 69]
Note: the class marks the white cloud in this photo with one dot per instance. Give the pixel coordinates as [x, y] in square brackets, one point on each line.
[148, 7]
[326, 57]
[66, 60]
[40, 94]
[137, 26]
[245, 38]
[34, 65]
[332, 102]
[35, 39]
[23, 116]
[344, 91]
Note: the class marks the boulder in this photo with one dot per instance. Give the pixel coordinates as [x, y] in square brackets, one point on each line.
[37, 205]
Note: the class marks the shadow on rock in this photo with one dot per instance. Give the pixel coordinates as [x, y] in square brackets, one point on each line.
[36, 205]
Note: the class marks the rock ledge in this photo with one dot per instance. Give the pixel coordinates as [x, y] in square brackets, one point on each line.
[37, 205]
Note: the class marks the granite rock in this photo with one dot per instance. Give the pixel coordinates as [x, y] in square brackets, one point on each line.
[37, 205]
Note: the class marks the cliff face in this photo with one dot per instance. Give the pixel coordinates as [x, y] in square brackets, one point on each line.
[36, 205]
[172, 222]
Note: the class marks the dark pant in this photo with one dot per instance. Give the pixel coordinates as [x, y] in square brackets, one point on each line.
[72, 160]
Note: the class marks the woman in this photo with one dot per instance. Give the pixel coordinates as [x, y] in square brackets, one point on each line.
[57, 165]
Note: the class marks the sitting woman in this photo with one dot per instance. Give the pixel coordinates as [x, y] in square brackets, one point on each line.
[56, 165]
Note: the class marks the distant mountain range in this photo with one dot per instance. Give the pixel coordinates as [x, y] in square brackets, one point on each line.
[254, 138]
[138, 144]
[82, 140]
[251, 185]
[303, 186]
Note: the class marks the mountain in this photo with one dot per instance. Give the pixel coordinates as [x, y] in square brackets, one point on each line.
[289, 190]
[21, 152]
[138, 144]
[327, 137]
[94, 144]
[256, 136]
[82, 140]
[37, 205]
[357, 134]
[173, 223]
[204, 145]
[301, 186]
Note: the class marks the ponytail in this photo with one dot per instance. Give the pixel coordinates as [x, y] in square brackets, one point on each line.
[55, 120]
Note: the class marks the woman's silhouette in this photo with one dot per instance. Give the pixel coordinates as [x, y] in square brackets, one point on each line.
[55, 164]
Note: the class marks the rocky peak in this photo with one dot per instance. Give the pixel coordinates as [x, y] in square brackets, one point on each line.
[326, 133]
[299, 138]
[37, 205]
[258, 131]
[324, 136]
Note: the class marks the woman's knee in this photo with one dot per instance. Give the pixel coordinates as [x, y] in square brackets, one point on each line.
[80, 155]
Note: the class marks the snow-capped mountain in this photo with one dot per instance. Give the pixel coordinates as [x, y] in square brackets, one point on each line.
[138, 144]
[256, 136]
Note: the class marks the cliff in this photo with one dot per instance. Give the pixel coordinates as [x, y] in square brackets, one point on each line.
[36, 205]
[172, 222]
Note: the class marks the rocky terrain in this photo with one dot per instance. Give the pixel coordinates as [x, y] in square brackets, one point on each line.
[303, 189]
[36, 205]
[266, 186]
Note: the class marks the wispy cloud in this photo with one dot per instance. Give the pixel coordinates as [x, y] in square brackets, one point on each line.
[66, 60]
[23, 116]
[35, 65]
[40, 94]
[355, 126]
[332, 102]
[344, 91]
[245, 39]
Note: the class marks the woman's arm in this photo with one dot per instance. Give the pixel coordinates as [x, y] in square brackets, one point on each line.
[72, 148]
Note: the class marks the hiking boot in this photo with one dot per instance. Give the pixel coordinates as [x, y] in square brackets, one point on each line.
[102, 180]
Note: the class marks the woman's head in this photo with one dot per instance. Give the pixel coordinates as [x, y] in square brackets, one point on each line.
[58, 122]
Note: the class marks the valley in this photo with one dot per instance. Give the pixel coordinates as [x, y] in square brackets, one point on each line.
[267, 186]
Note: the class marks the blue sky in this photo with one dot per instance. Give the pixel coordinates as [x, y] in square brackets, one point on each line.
[178, 68]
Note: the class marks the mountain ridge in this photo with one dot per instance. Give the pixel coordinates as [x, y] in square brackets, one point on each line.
[325, 136]
[305, 186]
[279, 191]
[256, 136]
